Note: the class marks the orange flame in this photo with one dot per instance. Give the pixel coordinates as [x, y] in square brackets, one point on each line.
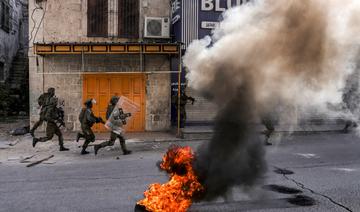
[177, 194]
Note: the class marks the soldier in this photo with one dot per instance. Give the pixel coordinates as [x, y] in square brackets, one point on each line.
[183, 101]
[87, 120]
[43, 100]
[118, 119]
[267, 122]
[51, 116]
[351, 100]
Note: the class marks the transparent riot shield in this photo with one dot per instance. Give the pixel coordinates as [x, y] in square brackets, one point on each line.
[125, 109]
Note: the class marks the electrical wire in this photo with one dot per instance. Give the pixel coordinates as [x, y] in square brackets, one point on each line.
[34, 21]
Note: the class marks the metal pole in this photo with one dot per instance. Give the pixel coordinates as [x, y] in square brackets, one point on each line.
[179, 87]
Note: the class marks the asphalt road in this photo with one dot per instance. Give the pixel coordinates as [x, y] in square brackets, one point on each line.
[326, 168]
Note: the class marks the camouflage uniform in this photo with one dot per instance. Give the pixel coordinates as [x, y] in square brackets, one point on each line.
[268, 123]
[51, 117]
[351, 100]
[43, 101]
[113, 135]
[183, 101]
[87, 120]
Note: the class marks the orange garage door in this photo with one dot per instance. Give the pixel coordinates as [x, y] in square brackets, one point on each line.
[103, 86]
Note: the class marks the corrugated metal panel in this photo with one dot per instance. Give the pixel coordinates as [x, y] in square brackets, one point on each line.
[190, 22]
[97, 18]
[128, 18]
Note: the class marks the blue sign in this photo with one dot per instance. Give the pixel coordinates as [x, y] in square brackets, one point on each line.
[185, 28]
[210, 14]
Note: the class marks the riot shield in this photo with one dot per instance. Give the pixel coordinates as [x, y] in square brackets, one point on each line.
[121, 115]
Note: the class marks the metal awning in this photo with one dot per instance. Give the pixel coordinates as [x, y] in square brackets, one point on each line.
[106, 48]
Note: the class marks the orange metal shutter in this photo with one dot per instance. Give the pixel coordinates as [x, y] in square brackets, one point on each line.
[103, 87]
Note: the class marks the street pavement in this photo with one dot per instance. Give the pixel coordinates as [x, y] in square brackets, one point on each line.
[326, 168]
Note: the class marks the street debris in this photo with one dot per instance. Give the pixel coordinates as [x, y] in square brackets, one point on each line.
[155, 146]
[25, 160]
[13, 158]
[49, 162]
[283, 171]
[308, 155]
[39, 161]
[13, 143]
[20, 131]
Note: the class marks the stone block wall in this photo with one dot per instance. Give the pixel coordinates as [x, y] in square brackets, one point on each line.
[158, 94]
[66, 21]
[63, 73]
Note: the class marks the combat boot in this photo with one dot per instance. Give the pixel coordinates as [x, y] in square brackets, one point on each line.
[96, 149]
[62, 148]
[35, 140]
[84, 152]
[123, 147]
[127, 152]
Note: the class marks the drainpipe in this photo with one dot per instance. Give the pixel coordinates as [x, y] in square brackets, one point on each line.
[179, 87]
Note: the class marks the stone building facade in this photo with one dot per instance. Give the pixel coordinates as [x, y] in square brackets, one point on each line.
[64, 26]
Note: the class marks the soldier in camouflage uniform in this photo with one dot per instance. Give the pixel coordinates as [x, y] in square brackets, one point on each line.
[51, 116]
[87, 120]
[268, 123]
[119, 118]
[43, 100]
[183, 101]
[351, 100]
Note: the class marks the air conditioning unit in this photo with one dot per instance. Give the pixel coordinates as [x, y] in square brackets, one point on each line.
[157, 27]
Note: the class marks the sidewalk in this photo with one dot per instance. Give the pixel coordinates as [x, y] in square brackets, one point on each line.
[205, 132]
[130, 137]
[15, 149]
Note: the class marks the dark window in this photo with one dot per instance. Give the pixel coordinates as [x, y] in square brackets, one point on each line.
[129, 18]
[5, 16]
[2, 72]
[97, 18]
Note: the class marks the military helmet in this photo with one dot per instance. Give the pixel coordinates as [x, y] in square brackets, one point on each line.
[114, 100]
[88, 103]
[51, 91]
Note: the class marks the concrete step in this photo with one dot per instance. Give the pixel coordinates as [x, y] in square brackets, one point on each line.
[198, 132]
[328, 126]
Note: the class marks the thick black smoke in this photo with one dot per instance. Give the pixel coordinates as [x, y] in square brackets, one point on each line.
[234, 155]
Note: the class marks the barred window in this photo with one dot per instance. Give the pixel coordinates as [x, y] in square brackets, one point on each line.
[119, 18]
[128, 18]
[97, 16]
[5, 16]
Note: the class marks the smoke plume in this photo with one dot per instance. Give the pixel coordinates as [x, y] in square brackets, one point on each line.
[287, 58]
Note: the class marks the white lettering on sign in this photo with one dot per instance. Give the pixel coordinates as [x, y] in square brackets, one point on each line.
[208, 5]
[175, 19]
[175, 6]
[218, 8]
[209, 24]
